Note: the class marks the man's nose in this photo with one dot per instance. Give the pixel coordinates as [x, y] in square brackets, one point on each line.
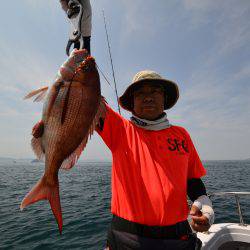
[148, 98]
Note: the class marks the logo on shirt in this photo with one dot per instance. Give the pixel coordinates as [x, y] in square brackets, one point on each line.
[177, 145]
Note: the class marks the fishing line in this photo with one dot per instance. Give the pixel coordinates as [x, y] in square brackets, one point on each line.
[111, 61]
[106, 79]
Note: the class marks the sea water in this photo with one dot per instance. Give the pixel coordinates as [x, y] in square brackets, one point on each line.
[85, 199]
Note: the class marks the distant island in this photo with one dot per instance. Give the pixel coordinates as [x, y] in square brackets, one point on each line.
[18, 160]
[35, 161]
[6, 159]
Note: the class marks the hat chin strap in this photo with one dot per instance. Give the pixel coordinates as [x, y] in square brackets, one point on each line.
[159, 124]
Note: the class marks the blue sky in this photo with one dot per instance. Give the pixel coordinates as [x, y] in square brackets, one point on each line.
[202, 45]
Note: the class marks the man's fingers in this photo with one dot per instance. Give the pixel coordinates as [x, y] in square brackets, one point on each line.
[64, 4]
[200, 219]
[194, 210]
[200, 228]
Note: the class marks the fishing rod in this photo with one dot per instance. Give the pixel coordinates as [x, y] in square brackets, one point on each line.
[111, 61]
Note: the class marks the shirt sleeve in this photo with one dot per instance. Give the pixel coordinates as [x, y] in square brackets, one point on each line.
[195, 166]
[195, 188]
[112, 129]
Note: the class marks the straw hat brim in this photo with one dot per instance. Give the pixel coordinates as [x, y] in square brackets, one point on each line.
[171, 93]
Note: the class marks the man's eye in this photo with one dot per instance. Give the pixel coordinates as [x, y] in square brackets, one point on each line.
[157, 91]
[153, 91]
[138, 93]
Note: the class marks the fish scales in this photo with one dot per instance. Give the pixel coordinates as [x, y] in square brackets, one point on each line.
[75, 100]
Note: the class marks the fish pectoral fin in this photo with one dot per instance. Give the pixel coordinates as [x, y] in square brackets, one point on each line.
[54, 93]
[38, 129]
[40, 92]
[43, 191]
[65, 102]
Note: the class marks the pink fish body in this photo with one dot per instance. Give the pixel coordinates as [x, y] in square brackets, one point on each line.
[70, 113]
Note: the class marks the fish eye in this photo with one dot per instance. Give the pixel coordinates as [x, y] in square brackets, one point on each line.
[85, 68]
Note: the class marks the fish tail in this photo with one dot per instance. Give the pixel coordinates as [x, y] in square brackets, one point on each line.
[44, 191]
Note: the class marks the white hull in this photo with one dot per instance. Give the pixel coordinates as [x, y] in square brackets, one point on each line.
[226, 236]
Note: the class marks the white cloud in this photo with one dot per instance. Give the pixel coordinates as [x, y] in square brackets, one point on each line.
[38, 4]
[204, 5]
[230, 20]
[146, 19]
[214, 105]
[244, 73]
[24, 70]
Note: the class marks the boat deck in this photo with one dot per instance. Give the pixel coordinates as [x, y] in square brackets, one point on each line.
[226, 236]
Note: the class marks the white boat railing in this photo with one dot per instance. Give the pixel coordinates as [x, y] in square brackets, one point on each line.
[237, 199]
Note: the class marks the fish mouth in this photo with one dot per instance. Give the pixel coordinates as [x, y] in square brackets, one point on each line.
[88, 64]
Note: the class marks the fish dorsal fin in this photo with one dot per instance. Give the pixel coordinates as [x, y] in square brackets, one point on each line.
[69, 162]
[40, 97]
[40, 93]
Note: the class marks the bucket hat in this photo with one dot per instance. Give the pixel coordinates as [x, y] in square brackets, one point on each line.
[144, 76]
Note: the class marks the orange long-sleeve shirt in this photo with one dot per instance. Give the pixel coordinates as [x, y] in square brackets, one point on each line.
[150, 171]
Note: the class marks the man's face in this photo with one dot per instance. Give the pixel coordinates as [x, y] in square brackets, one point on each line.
[149, 101]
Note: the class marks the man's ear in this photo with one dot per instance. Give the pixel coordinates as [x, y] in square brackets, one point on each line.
[132, 101]
[165, 100]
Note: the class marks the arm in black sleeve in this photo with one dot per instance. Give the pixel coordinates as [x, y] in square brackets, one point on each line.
[101, 123]
[195, 188]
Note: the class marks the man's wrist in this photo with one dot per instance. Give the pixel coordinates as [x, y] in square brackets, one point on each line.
[205, 205]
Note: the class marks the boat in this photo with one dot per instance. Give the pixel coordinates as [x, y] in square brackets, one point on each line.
[227, 236]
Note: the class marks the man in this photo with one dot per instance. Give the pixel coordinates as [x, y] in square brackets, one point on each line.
[155, 165]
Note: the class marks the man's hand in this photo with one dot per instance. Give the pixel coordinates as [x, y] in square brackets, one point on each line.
[64, 4]
[199, 221]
